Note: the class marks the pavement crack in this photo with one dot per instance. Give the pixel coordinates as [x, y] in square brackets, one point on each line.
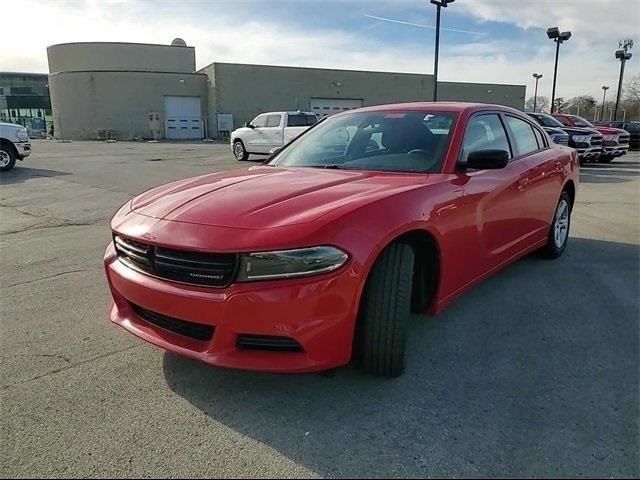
[37, 355]
[68, 367]
[66, 272]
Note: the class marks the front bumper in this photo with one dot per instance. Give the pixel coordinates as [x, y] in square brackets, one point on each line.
[317, 312]
[23, 148]
[589, 153]
[615, 150]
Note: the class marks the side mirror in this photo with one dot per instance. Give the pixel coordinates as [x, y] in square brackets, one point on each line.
[248, 125]
[490, 159]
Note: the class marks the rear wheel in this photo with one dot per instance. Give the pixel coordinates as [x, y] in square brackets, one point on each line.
[7, 157]
[385, 312]
[239, 151]
[559, 232]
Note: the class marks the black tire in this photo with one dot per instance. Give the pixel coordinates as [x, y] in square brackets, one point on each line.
[554, 248]
[385, 312]
[7, 157]
[239, 151]
[605, 159]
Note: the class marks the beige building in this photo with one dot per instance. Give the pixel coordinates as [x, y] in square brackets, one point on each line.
[140, 90]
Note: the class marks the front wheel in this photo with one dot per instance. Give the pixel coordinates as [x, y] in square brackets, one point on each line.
[559, 232]
[239, 151]
[7, 158]
[385, 312]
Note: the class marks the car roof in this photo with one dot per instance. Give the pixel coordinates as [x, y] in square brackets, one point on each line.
[458, 107]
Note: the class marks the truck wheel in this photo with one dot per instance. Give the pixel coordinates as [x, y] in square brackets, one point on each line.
[239, 151]
[385, 311]
[559, 231]
[7, 158]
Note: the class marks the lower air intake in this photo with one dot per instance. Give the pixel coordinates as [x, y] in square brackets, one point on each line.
[195, 331]
[268, 343]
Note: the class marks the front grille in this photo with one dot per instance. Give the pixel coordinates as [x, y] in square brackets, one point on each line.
[208, 269]
[596, 140]
[266, 342]
[195, 331]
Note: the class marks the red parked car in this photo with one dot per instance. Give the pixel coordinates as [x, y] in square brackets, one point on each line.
[615, 141]
[319, 255]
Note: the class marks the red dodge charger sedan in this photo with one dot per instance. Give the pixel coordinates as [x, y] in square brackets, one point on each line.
[319, 255]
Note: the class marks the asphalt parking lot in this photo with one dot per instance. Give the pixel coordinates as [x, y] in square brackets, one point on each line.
[533, 373]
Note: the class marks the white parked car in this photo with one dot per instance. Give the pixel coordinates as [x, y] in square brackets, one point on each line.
[14, 145]
[269, 131]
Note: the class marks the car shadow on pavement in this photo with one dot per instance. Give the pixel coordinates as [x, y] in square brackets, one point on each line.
[21, 174]
[532, 373]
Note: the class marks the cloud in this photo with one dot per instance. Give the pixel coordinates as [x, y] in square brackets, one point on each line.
[219, 33]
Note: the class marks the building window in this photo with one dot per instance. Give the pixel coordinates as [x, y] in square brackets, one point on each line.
[1, 91]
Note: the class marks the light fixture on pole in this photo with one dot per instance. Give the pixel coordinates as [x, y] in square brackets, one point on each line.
[537, 76]
[604, 93]
[439, 4]
[554, 34]
[623, 55]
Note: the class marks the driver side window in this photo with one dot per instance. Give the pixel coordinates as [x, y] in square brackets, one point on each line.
[259, 121]
[484, 132]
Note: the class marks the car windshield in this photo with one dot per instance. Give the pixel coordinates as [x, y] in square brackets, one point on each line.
[398, 141]
[546, 120]
[581, 122]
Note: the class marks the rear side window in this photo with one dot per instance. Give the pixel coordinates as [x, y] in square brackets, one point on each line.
[273, 121]
[484, 132]
[539, 138]
[523, 136]
[296, 121]
[312, 119]
[259, 121]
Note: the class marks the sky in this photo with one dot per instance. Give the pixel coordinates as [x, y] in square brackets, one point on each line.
[495, 41]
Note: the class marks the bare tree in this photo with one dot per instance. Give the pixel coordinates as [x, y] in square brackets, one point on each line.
[632, 88]
[542, 105]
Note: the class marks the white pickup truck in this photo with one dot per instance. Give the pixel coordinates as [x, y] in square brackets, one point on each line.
[269, 131]
[14, 145]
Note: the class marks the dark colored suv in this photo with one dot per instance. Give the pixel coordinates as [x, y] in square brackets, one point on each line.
[587, 141]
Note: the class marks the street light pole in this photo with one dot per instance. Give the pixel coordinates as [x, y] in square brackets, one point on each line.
[554, 34]
[623, 55]
[604, 93]
[537, 76]
[439, 4]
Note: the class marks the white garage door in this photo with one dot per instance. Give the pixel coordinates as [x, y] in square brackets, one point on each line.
[328, 106]
[183, 118]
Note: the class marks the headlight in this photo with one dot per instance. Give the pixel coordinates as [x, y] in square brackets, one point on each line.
[582, 138]
[22, 135]
[560, 139]
[290, 263]
[610, 138]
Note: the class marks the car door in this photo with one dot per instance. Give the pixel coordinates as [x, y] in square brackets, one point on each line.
[272, 132]
[494, 197]
[545, 177]
[254, 137]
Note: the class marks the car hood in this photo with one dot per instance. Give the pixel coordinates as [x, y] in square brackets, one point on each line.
[611, 131]
[267, 197]
[554, 130]
[580, 131]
